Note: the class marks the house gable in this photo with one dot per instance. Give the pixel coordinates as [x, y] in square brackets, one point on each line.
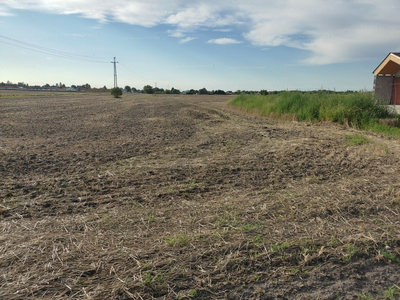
[390, 65]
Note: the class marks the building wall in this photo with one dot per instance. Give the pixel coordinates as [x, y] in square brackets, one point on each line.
[383, 88]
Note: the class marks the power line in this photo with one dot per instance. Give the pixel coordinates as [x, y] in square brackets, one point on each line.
[131, 72]
[49, 51]
[67, 55]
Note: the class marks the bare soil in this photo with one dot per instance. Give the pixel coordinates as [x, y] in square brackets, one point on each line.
[184, 197]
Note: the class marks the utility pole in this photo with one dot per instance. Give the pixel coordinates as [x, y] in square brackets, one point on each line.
[115, 72]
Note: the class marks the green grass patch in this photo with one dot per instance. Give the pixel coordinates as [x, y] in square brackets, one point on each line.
[392, 293]
[364, 297]
[351, 250]
[258, 239]
[180, 240]
[251, 227]
[391, 256]
[193, 293]
[358, 110]
[277, 247]
[356, 139]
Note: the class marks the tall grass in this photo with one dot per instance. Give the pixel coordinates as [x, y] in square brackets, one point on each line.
[357, 110]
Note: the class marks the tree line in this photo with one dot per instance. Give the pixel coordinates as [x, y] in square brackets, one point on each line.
[148, 89]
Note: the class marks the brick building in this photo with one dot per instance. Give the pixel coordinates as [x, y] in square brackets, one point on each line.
[387, 80]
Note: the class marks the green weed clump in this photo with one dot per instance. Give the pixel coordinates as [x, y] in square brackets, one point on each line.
[358, 110]
[356, 139]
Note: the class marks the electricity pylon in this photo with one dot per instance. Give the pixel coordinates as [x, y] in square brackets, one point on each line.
[115, 72]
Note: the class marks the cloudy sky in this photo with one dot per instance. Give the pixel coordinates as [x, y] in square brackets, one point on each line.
[230, 45]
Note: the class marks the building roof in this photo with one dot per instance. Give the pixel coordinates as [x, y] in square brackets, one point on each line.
[390, 65]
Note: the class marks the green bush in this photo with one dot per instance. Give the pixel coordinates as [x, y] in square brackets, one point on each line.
[116, 92]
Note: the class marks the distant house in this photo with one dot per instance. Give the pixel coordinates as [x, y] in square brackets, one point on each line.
[387, 80]
[70, 89]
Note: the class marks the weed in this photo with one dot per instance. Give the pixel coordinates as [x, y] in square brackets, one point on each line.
[258, 239]
[308, 249]
[356, 140]
[105, 217]
[391, 256]
[82, 282]
[42, 189]
[193, 293]
[250, 227]
[391, 293]
[364, 297]
[294, 271]
[226, 221]
[181, 240]
[257, 278]
[351, 250]
[298, 272]
[148, 278]
[155, 281]
[277, 247]
[260, 291]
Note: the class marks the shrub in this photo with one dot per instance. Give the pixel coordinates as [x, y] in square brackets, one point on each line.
[116, 92]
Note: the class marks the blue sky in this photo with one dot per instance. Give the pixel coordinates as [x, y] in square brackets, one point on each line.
[230, 45]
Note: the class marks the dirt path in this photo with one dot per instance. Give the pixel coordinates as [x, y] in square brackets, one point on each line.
[182, 197]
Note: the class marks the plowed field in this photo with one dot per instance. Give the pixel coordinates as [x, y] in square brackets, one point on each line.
[183, 197]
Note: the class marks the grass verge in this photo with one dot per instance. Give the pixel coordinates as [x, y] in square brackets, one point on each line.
[357, 110]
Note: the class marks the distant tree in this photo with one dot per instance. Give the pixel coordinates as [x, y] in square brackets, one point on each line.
[104, 87]
[168, 91]
[47, 85]
[203, 91]
[128, 89]
[73, 86]
[175, 91]
[264, 92]
[148, 89]
[219, 92]
[87, 86]
[134, 90]
[191, 92]
[158, 90]
[116, 92]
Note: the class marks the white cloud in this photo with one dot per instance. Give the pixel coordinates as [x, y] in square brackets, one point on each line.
[176, 33]
[331, 31]
[224, 41]
[4, 12]
[223, 30]
[187, 39]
